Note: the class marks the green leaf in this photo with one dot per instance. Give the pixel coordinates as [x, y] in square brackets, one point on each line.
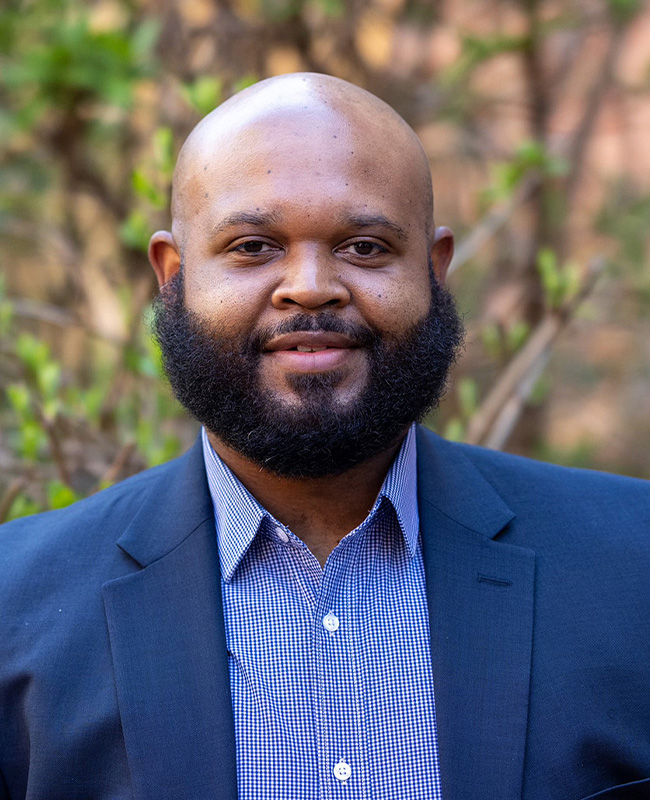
[572, 281]
[90, 402]
[6, 317]
[143, 41]
[516, 335]
[163, 146]
[33, 352]
[204, 94]
[135, 231]
[32, 439]
[540, 391]
[454, 430]
[52, 407]
[560, 283]
[280, 10]
[492, 339]
[549, 273]
[22, 506]
[146, 188]
[59, 495]
[331, 8]
[624, 10]
[19, 399]
[244, 82]
[48, 378]
[467, 396]
[477, 50]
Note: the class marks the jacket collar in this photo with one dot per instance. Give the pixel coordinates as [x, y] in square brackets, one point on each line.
[179, 504]
[448, 481]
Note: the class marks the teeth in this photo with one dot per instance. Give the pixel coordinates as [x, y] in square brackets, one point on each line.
[302, 349]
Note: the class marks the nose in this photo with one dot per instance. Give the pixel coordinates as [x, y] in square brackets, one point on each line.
[312, 280]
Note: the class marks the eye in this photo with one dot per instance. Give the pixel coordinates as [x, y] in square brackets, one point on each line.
[363, 247]
[253, 247]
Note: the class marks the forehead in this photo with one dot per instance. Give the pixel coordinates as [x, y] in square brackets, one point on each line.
[312, 161]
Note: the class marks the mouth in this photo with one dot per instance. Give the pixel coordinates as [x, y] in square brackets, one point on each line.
[309, 342]
[311, 351]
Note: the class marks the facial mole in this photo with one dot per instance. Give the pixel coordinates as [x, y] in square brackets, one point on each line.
[205, 195]
[268, 171]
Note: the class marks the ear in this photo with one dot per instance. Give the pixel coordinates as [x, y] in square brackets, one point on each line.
[164, 256]
[442, 250]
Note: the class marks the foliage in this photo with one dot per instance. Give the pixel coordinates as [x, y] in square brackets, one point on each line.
[95, 101]
[70, 440]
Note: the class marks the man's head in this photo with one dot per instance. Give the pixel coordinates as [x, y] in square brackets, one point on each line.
[302, 220]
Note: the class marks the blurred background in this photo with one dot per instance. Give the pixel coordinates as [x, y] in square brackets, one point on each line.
[535, 115]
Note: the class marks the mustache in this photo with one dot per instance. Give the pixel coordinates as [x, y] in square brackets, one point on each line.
[324, 322]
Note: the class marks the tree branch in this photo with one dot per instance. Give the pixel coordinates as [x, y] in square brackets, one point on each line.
[492, 222]
[13, 490]
[119, 463]
[497, 416]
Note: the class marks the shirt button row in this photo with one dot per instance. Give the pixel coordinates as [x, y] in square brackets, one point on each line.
[331, 622]
[342, 771]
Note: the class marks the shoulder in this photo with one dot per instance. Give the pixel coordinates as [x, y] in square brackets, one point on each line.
[547, 500]
[87, 528]
[525, 480]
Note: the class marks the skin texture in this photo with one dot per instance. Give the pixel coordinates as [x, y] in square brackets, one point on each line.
[299, 195]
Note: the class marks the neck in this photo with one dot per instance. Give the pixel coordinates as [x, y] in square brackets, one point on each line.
[321, 511]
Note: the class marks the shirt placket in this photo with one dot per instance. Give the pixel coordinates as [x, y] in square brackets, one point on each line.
[339, 719]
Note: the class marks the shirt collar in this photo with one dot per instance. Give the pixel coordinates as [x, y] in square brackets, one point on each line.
[238, 515]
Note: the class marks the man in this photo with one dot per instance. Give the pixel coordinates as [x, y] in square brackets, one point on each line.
[321, 599]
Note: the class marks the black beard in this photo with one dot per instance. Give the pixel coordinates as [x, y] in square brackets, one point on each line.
[216, 378]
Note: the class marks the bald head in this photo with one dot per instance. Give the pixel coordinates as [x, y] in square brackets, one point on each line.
[318, 115]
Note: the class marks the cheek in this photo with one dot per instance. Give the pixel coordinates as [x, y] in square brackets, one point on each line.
[394, 306]
[228, 302]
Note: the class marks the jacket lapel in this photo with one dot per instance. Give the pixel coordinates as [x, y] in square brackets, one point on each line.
[168, 642]
[480, 594]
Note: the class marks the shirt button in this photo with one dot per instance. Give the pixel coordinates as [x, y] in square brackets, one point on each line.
[282, 534]
[342, 771]
[331, 622]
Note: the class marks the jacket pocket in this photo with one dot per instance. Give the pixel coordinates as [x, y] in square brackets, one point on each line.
[637, 790]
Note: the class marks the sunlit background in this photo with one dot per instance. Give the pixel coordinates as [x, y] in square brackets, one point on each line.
[535, 116]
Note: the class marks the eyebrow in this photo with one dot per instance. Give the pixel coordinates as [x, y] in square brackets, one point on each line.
[371, 221]
[266, 218]
[247, 218]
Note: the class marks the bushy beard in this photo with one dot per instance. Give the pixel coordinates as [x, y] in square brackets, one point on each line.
[217, 378]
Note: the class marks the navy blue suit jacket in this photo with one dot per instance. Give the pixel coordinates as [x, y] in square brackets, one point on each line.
[113, 665]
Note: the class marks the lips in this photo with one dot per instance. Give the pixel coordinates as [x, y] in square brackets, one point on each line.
[311, 351]
[309, 341]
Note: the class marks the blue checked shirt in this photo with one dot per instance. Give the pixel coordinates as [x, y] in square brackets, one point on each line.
[330, 668]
